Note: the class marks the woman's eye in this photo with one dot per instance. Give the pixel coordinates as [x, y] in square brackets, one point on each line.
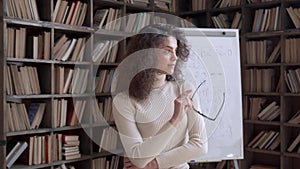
[167, 52]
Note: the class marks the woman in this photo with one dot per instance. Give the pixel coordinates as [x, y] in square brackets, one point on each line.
[154, 115]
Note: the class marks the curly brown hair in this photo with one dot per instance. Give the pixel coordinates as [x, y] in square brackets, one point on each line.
[151, 37]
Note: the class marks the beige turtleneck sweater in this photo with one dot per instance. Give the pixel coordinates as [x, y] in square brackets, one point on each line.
[146, 133]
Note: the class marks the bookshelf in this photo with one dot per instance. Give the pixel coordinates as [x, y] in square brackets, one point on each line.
[268, 29]
[39, 69]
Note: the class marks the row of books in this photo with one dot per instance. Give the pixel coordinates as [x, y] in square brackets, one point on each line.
[39, 46]
[69, 49]
[64, 166]
[270, 112]
[292, 79]
[262, 51]
[68, 113]
[16, 43]
[268, 140]
[227, 3]
[70, 147]
[292, 50]
[260, 80]
[70, 80]
[72, 13]
[222, 21]
[22, 80]
[187, 22]
[21, 118]
[20, 46]
[105, 51]
[144, 3]
[266, 20]
[260, 109]
[108, 19]
[103, 110]
[255, 106]
[26, 9]
[105, 79]
[258, 1]
[44, 149]
[137, 21]
[167, 5]
[104, 162]
[294, 14]
[260, 166]
[199, 5]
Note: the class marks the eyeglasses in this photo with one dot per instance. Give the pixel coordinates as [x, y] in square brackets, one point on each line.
[199, 112]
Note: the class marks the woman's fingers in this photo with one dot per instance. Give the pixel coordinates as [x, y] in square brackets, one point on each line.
[185, 94]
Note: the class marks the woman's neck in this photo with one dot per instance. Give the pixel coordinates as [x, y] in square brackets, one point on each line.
[160, 80]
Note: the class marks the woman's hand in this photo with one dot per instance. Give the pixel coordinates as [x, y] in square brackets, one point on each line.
[181, 104]
[151, 165]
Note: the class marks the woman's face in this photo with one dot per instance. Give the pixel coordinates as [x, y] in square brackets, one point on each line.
[167, 56]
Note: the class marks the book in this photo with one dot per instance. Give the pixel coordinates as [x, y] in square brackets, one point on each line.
[295, 118]
[294, 144]
[15, 153]
[35, 114]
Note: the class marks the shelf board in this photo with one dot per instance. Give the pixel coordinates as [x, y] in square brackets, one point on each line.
[83, 29]
[65, 128]
[262, 65]
[25, 132]
[27, 22]
[262, 151]
[82, 158]
[106, 153]
[113, 34]
[36, 96]
[291, 94]
[137, 8]
[157, 9]
[189, 13]
[226, 9]
[260, 122]
[72, 95]
[23, 166]
[291, 125]
[290, 64]
[261, 94]
[107, 64]
[267, 34]
[29, 60]
[71, 63]
[264, 4]
[295, 155]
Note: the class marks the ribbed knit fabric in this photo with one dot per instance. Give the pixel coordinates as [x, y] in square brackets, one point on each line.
[146, 133]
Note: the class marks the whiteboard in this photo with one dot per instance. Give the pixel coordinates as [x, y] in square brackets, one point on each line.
[215, 59]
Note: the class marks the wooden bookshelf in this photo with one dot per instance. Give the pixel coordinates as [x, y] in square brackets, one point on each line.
[48, 71]
[279, 29]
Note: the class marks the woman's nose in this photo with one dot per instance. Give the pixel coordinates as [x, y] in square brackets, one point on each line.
[174, 56]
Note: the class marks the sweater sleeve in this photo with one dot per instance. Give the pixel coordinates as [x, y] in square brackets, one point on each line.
[197, 140]
[195, 147]
[140, 150]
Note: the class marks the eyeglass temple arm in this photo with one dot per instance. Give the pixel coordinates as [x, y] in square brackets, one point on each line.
[197, 89]
[209, 118]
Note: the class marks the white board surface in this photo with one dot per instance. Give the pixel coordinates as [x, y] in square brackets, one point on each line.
[215, 58]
